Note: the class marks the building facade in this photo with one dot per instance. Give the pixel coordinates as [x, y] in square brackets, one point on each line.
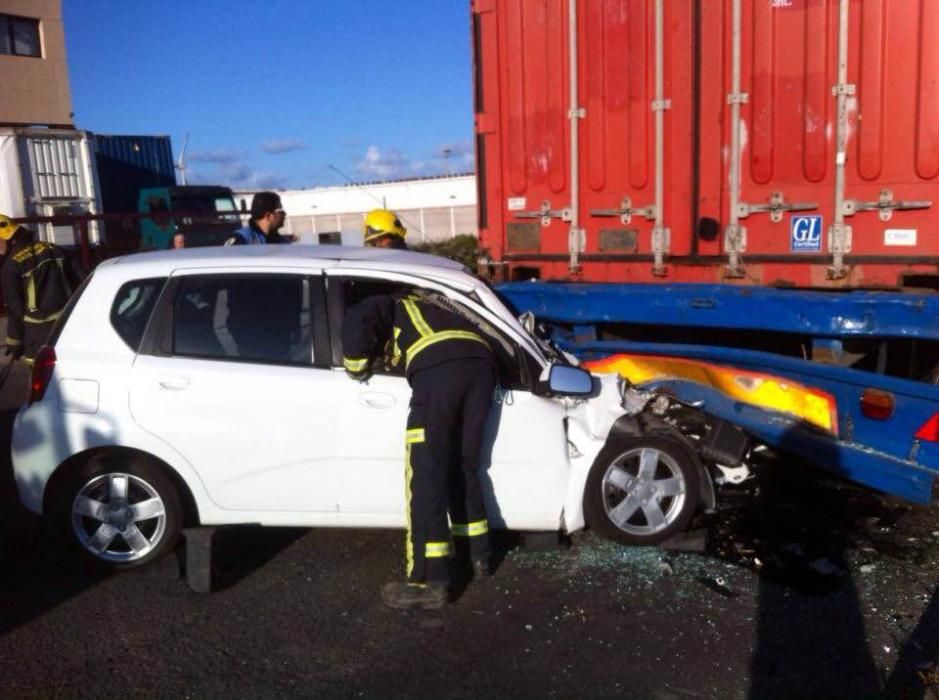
[432, 209]
[33, 68]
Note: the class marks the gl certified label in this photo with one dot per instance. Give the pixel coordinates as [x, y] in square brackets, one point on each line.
[805, 234]
[900, 236]
[516, 203]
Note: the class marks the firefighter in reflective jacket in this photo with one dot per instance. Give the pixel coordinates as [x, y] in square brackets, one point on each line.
[451, 370]
[36, 282]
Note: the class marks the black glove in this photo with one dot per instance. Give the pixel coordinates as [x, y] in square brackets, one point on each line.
[14, 352]
[360, 377]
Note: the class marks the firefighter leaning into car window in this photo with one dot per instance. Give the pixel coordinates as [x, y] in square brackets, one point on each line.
[36, 280]
[267, 218]
[451, 370]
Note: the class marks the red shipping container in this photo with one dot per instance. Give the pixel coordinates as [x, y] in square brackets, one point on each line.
[791, 142]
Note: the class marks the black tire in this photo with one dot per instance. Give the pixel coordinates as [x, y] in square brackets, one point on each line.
[649, 509]
[120, 532]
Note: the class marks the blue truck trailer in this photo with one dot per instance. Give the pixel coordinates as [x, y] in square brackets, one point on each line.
[846, 380]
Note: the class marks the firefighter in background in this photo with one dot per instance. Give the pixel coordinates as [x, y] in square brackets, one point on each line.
[451, 370]
[383, 229]
[37, 281]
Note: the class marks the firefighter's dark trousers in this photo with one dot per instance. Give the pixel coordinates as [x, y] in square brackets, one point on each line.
[446, 423]
[35, 335]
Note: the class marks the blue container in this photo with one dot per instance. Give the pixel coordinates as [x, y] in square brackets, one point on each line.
[128, 163]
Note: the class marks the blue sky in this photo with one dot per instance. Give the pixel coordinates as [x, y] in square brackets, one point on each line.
[273, 92]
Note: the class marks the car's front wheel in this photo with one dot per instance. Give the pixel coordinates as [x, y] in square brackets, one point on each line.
[122, 516]
[641, 490]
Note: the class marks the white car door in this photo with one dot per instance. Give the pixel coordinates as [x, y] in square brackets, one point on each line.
[525, 469]
[367, 422]
[234, 390]
[527, 479]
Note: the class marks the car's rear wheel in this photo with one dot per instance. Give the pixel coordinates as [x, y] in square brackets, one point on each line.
[122, 516]
[641, 490]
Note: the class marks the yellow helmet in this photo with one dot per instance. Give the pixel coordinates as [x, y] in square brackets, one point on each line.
[8, 227]
[381, 222]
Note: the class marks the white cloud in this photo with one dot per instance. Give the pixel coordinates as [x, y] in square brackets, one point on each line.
[230, 167]
[387, 165]
[457, 157]
[391, 164]
[245, 177]
[278, 146]
[218, 156]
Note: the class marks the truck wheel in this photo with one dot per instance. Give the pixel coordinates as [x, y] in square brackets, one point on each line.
[641, 490]
[122, 516]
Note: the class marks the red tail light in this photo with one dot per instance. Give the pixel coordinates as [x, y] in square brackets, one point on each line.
[930, 430]
[42, 373]
[877, 404]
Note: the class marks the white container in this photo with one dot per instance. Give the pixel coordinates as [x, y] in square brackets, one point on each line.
[49, 172]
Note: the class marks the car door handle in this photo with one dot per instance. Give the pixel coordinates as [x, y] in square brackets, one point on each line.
[375, 399]
[174, 383]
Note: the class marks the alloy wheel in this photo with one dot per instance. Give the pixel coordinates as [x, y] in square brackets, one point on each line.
[644, 491]
[118, 517]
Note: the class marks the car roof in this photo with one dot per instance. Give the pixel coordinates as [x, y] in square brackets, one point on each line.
[165, 261]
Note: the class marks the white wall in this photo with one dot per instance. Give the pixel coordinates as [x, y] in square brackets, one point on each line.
[431, 209]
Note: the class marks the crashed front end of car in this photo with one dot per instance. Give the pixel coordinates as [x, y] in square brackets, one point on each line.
[644, 462]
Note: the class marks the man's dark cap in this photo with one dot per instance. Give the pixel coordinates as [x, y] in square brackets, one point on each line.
[264, 203]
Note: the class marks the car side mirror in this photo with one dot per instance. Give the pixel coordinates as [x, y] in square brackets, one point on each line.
[564, 380]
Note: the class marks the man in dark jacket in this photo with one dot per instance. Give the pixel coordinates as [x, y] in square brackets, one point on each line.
[267, 219]
[451, 370]
[36, 281]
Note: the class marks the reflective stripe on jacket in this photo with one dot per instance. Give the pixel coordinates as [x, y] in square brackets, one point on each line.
[427, 334]
[36, 284]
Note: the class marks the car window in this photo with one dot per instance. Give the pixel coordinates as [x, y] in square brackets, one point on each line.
[507, 354]
[252, 318]
[132, 307]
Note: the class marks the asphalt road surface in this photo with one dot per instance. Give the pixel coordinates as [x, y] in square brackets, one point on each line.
[808, 587]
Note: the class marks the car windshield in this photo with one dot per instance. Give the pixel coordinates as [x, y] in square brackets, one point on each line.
[508, 303]
[542, 335]
[539, 331]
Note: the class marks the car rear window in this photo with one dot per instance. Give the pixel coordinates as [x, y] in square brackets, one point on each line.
[133, 304]
[264, 318]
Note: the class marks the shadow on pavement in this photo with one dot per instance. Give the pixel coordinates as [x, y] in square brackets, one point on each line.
[36, 575]
[240, 550]
[815, 640]
[38, 571]
[808, 535]
[916, 667]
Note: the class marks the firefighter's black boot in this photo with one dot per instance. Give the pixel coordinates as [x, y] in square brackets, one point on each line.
[482, 568]
[404, 596]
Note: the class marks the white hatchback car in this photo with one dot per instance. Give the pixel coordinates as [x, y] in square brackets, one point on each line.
[205, 386]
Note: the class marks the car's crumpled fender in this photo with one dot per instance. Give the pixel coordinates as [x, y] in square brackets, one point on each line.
[588, 425]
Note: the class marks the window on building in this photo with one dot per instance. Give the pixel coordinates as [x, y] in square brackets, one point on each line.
[19, 36]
